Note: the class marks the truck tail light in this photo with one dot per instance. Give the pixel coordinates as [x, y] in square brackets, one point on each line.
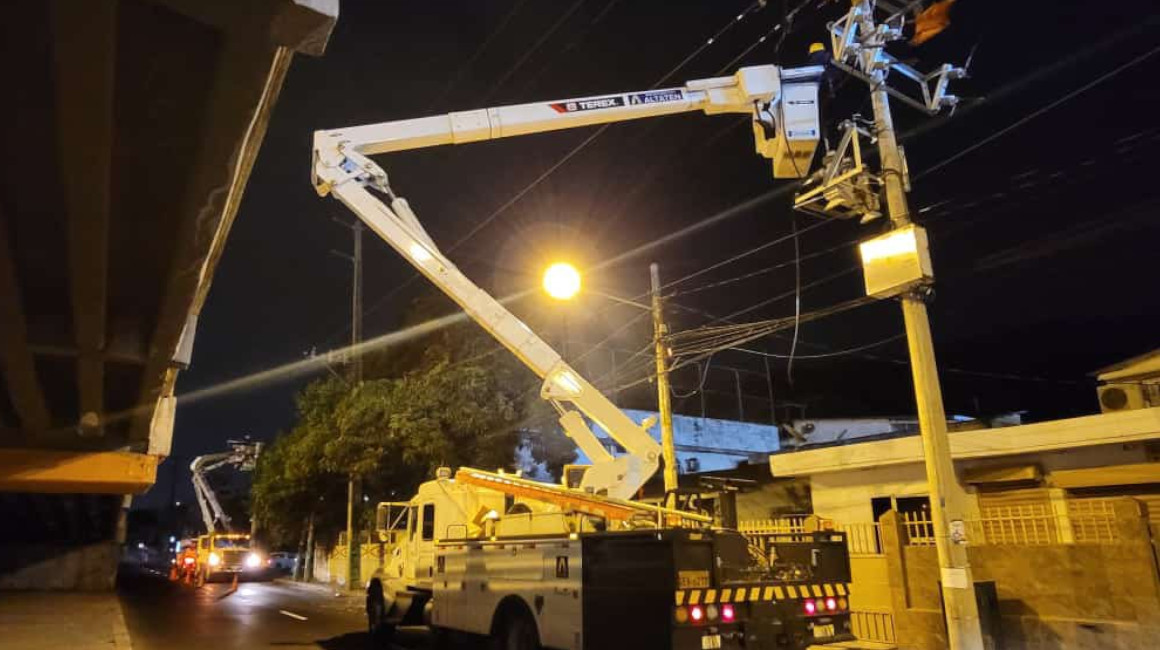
[727, 613]
[842, 604]
[682, 615]
[711, 612]
[831, 604]
[696, 613]
[811, 608]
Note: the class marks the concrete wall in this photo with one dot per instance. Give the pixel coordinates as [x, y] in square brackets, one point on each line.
[1050, 596]
[56, 567]
[771, 500]
[330, 564]
[871, 576]
[845, 496]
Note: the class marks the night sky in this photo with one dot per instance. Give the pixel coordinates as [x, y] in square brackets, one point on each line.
[1044, 239]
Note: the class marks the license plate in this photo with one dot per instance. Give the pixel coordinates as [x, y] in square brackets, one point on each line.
[711, 642]
[822, 631]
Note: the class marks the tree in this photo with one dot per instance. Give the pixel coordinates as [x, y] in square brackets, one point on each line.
[450, 398]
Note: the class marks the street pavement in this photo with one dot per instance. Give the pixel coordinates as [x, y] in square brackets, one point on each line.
[53, 620]
[162, 615]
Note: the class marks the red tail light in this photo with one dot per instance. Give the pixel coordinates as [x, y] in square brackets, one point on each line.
[831, 604]
[727, 613]
[697, 614]
[188, 560]
[811, 607]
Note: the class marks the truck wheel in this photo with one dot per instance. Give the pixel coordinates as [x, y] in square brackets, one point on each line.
[516, 632]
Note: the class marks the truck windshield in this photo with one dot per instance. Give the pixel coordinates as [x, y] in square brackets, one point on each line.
[230, 542]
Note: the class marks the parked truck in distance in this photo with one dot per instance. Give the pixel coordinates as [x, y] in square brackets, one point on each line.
[225, 556]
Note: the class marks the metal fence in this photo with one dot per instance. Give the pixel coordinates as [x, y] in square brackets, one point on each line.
[876, 626]
[918, 528]
[788, 524]
[1093, 521]
[862, 538]
[1087, 521]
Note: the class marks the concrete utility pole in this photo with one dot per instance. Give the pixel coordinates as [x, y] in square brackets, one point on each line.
[353, 484]
[664, 400]
[948, 501]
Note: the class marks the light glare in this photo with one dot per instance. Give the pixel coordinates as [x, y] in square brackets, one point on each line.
[900, 242]
[562, 281]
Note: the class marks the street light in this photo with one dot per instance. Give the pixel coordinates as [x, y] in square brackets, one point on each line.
[562, 281]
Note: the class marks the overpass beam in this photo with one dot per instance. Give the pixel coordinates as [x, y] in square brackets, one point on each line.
[68, 472]
[17, 361]
[84, 51]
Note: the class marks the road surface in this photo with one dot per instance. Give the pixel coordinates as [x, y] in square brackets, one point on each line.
[161, 615]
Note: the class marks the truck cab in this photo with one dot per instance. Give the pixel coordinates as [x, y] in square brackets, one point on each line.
[221, 555]
[440, 509]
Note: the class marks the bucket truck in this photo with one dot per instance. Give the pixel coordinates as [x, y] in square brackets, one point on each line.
[538, 565]
[224, 553]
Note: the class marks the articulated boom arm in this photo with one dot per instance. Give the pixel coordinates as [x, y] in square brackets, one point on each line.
[243, 455]
[783, 104]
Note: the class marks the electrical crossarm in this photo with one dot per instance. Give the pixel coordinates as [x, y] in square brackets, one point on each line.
[784, 111]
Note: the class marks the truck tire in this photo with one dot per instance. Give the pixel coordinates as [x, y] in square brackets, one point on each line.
[515, 631]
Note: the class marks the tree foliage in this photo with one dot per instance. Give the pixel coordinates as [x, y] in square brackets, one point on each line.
[448, 399]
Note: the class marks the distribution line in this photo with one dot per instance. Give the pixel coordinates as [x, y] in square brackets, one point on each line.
[458, 76]
[533, 49]
[752, 251]
[761, 271]
[494, 214]
[836, 353]
[1040, 111]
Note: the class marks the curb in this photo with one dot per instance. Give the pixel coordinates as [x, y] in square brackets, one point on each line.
[121, 639]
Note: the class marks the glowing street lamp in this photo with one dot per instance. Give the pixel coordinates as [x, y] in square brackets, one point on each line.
[562, 281]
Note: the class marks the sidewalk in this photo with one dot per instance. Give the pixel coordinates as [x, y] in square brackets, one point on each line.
[55, 620]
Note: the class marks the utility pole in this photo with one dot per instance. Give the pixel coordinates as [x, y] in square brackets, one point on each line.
[948, 500]
[353, 484]
[664, 401]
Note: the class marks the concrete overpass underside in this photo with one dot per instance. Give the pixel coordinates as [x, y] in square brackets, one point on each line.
[129, 130]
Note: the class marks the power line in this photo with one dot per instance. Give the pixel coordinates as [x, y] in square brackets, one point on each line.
[754, 6]
[458, 76]
[828, 355]
[747, 253]
[1040, 111]
[533, 49]
[494, 214]
[762, 271]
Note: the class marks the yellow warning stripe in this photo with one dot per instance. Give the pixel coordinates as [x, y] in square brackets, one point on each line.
[756, 593]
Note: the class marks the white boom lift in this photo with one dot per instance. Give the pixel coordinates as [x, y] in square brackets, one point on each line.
[244, 456]
[784, 111]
